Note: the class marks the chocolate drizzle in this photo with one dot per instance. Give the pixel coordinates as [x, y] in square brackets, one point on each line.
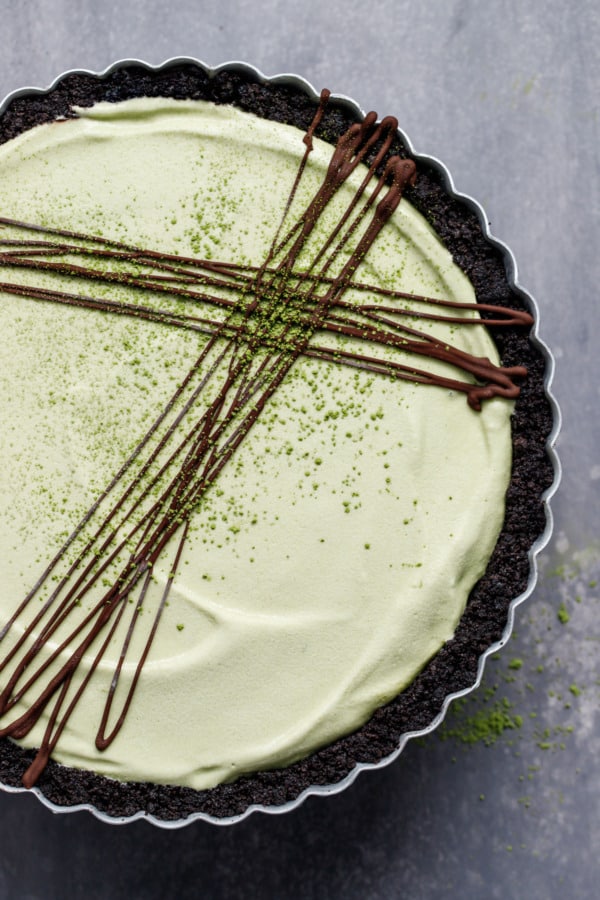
[272, 315]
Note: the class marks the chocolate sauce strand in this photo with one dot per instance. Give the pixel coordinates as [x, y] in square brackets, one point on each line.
[72, 598]
[323, 101]
[510, 317]
[308, 141]
[103, 740]
[77, 592]
[272, 314]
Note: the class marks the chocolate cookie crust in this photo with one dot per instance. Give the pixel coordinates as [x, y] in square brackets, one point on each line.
[454, 668]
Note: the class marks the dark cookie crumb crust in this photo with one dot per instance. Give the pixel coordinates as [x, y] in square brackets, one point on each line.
[455, 666]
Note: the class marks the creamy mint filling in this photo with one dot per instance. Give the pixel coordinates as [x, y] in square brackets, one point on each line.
[335, 552]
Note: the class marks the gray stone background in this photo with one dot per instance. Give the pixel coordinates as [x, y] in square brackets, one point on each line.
[503, 801]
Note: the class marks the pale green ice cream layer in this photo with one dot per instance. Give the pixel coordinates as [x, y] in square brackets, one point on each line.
[335, 553]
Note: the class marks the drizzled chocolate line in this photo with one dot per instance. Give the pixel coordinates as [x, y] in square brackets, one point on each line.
[22, 256]
[269, 324]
